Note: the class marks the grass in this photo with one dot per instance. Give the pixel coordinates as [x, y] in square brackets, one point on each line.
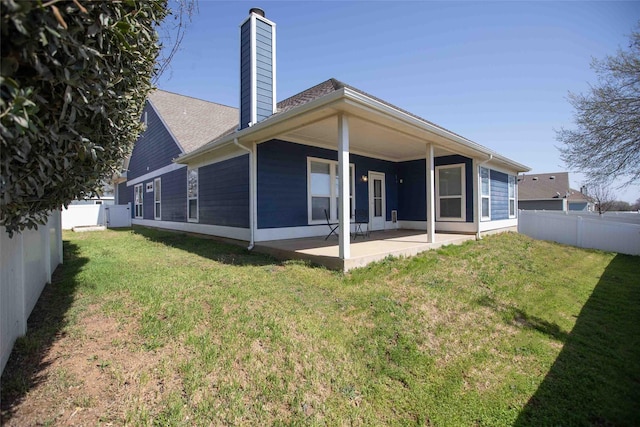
[504, 331]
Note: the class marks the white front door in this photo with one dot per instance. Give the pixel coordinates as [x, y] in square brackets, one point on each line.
[377, 202]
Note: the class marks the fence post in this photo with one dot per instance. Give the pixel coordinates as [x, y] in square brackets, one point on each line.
[579, 232]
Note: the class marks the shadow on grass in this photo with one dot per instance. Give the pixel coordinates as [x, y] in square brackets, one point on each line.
[519, 318]
[209, 247]
[596, 378]
[27, 364]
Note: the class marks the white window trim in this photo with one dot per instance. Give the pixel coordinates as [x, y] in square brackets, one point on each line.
[197, 198]
[157, 198]
[332, 197]
[514, 198]
[138, 189]
[485, 218]
[463, 196]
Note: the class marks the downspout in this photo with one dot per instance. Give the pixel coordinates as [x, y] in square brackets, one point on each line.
[251, 242]
[479, 207]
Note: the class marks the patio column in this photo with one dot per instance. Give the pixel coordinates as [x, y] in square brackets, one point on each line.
[431, 189]
[344, 210]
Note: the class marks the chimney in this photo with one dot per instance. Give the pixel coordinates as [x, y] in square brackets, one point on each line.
[257, 68]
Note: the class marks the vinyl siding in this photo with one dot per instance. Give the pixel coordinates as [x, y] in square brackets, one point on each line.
[125, 194]
[224, 193]
[547, 205]
[264, 69]
[245, 74]
[174, 196]
[154, 149]
[282, 182]
[412, 191]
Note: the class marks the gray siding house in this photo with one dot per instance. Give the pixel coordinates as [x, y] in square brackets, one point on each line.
[276, 170]
[551, 192]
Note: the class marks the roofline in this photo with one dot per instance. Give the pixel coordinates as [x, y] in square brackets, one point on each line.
[346, 93]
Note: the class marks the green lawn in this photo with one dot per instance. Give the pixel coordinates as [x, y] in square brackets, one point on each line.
[188, 331]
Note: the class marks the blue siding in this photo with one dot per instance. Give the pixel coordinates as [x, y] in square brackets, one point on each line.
[174, 196]
[468, 173]
[154, 149]
[264, 72]
[125, 194]
[224, 193]
[264, 51]
[245, 74]
[147, 201]
[412, 190]
[282, 182]
[499, 195]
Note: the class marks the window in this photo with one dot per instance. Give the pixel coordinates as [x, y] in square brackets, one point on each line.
[512, 196]
[157, 198]
[485, 193]
[322, 195]
[192, 195]
[137, 200]
[450, 194]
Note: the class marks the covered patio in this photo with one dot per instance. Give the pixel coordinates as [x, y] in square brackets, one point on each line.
[379, 245]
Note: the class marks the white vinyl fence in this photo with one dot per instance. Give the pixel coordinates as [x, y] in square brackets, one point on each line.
[609, 232]
[27, 261]
[92, 215]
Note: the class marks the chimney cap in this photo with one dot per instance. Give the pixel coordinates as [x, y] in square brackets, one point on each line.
[257, 11]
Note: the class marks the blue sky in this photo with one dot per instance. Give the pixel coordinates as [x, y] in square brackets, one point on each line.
[497, 73]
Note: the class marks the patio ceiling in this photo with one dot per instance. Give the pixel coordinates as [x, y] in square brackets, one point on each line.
[366, 137]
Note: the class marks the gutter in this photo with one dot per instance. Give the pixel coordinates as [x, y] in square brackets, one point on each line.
[479, 207]
[251, 190]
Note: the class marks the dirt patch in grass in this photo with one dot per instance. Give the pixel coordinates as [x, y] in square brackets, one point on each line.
[87, 375]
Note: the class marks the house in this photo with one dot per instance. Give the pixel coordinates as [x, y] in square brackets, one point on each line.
[271, 170]
[551, 191]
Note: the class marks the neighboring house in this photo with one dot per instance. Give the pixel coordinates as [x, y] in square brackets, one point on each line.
[551, 192]
[104, 200]
[270, 170]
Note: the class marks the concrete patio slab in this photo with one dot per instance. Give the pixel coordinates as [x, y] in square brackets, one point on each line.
[377, 246]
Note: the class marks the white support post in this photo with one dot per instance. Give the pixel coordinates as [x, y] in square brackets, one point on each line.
[431, 211]
[343, 187]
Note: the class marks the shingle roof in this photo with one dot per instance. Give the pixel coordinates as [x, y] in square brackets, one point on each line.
[192, 121]
[547, 186]
[333, 85]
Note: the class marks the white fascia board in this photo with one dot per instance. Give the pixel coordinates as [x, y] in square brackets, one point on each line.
[155, 173]
[393, 112]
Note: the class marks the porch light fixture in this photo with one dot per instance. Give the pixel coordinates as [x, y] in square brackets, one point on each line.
[364, 178]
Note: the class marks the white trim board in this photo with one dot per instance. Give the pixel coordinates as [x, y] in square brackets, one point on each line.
[155, 173]
[190, 227]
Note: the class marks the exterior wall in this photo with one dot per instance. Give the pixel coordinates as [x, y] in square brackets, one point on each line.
[264, 69]
[223, 193]
[174, 196]
[154, 149]
[499, 195]
[147, 201]
[125, 194]
[282, 182]
[578, 206]
[262, 50]
[412, 190]
[245, 74]
[468, 173]
[546, 205]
